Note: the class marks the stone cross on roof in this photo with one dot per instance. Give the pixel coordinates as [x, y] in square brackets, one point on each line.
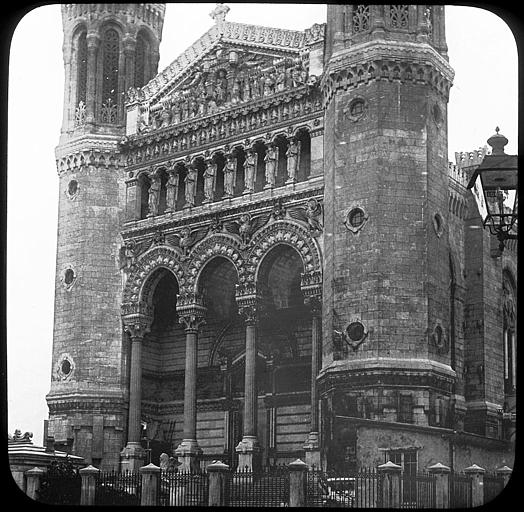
[219, 13]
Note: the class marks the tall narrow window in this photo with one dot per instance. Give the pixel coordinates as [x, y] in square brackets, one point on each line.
[452, 312]
[140, 61]
[111, 51]
[81, 78]
[509, 330]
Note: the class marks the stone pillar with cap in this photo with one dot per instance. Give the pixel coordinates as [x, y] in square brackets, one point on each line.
[505, 473]
[441, 473]
[217, 472]
[477, 484]
[297, 483]
[192, 314]
[391, 480]
[150, 475]
[33, 478]
[137, 323]
[87, 494]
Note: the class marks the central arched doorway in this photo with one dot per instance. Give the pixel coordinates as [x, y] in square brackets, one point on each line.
[162, 366]
[284, 334]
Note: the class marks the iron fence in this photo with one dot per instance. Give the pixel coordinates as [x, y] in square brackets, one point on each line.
[361, 490]
[459, 490]
[183, 489]
[493, 486]
[114, 488]
[418, 490]
[267, 488]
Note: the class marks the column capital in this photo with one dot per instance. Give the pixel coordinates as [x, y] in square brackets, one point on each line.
[315, 304]
[137, 318]
[137, 328]
[250, 313]
[191, 311]
[93, 40]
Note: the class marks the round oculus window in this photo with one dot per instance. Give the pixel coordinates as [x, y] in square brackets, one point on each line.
[355, 331]
[69, 276]
[356, 217]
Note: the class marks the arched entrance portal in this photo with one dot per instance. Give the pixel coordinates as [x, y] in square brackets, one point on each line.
[285, 336]
[162, 366]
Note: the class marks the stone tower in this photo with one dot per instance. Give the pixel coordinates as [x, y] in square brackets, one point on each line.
[107, 49]
[389, 348]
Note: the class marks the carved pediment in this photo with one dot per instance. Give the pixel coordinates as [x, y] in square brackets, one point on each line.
[231, 64]
[228, 78]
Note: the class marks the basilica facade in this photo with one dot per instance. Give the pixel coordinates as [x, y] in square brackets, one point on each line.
[264, 253]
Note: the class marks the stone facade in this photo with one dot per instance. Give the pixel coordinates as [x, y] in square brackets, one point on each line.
[263, 252]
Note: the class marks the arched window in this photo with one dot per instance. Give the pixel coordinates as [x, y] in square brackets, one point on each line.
[81, 70]
[111, 52]
[141, 50]
[509, 329]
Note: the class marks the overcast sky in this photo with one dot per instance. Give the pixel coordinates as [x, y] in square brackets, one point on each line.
[482, 51]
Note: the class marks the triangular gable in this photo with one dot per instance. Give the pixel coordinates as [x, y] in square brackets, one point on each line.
[272, 42]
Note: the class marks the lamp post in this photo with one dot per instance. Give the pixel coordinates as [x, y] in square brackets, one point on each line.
[494, 186]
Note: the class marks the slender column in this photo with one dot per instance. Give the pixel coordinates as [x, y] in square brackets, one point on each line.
[133, 455]
[93, 42]
[189, 450]
[312, 445]
[248, 449]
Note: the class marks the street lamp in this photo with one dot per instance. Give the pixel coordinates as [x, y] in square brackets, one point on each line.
[494, 186]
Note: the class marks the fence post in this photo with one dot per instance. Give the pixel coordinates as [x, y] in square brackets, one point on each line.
[297, 483]
[88, 474]
[33, 482]
[505, 473]
[441, 474]
[150, 475]
[217, 474]
[477, 484]
[390, 473]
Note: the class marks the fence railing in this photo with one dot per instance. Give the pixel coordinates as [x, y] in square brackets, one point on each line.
[113, 488]
[182, 489]
[493, 486]
[459, 490]
[418, 490]
[296, 484]
[267, 488]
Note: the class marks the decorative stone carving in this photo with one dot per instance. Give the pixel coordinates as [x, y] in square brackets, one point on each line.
[271, 160]
[190, 182]
[18, 437]
[230, 175]
[154, 195]
[250, 169]
[293, 155]
[172, 190]
[209, 180]
[311, 215]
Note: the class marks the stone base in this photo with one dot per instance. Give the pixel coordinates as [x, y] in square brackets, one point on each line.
[312, 450]
[132, 457]
[249, 454]
[187, 453]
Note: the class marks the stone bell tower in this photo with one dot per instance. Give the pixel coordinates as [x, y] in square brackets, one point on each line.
[107, 49]
[386, 321]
